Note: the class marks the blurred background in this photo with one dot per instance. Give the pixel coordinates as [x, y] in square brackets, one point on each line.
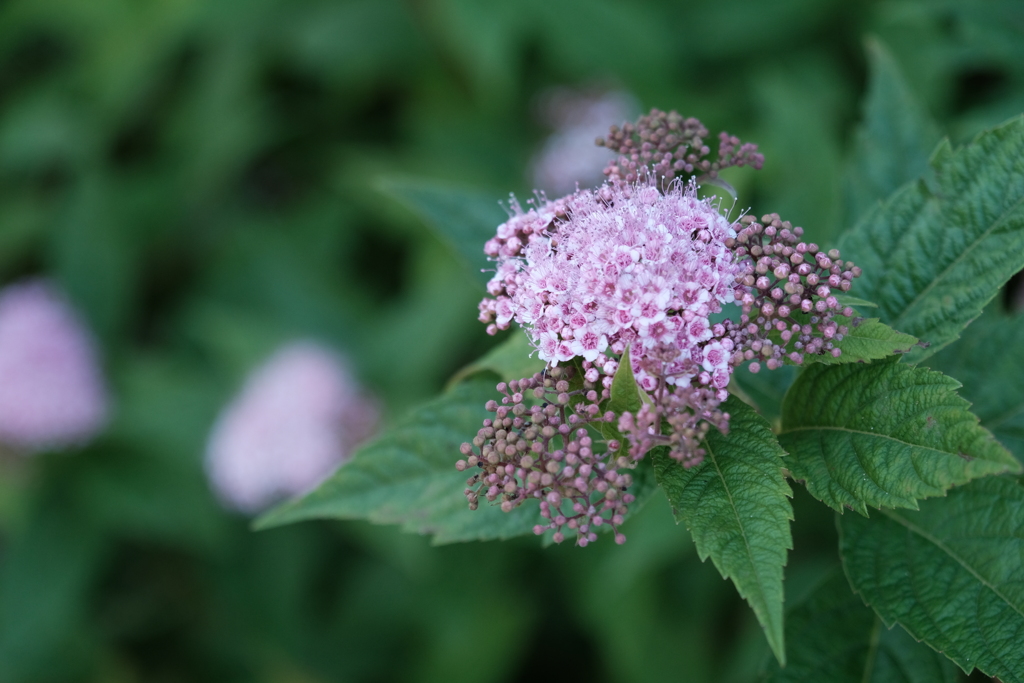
[205, 182]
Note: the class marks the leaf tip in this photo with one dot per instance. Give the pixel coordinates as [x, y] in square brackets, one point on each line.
[777, 643]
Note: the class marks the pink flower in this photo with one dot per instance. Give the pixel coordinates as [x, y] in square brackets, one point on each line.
[52, 391]
[626, 263]
[297, 418]
[589, 344]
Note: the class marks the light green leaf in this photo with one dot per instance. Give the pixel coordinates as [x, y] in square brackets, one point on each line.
[625, 391]
[625, 397]
[463, 218]
[847, 300]
[934, 254]
[950, 574]
[510, 360]
[884, 434]
[833, 637]
[870, 340]
[893, 141]
[987, 361]
[408, 477]
[736, 505]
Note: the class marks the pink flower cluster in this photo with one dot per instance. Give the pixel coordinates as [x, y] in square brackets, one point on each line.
[52, 391]
[297, 418]
[623, 266]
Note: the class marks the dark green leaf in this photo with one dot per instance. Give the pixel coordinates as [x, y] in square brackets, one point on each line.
[765, 389]
[45, 582]
[795, 102]
[408, 477]
[94, 260]
[736, 505]
[461, 217]
[833, 637]
[950, 574]
[934, 255]
[894, 139]
[883, 434]
[986, 359]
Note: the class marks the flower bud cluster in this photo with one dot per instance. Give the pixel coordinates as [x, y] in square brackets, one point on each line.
[688, 411]
[790, 303]
[666, 145]
[538, 446]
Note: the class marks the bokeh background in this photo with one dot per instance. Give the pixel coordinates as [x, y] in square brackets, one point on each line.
[207, 180]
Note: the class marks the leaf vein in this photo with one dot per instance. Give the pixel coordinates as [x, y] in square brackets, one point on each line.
[874, 434]
[949, 551]
[739, 522]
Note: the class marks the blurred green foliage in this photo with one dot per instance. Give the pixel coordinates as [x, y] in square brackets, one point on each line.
[209, 179]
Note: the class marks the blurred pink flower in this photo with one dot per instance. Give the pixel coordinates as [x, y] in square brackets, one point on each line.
[570, 155]
[297, 418]
[52, 391]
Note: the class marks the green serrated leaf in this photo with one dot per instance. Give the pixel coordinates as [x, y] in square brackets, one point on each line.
[464, 218]
[871, 340]
[986, 361]
[510, 360]
[950, 574]
[884, 435]
[736, 505]
[868, 341]
[894, 140]
[934, 256]
[407, 476]
[847, 300]
[833, 637]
